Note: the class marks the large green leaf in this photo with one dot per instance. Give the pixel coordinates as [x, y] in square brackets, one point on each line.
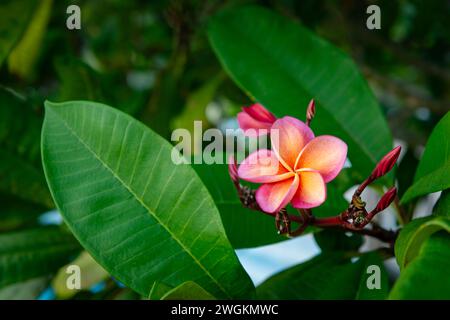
[327, 276]
[247, 228]
[143, 218]
[426, 277]
[188, 291]
[159, 290]
[283, 65]
[33, 253]
[412, 236]
[433, 172]
[21, 172]
[15, 17]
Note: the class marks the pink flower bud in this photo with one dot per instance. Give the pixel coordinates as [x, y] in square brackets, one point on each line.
[386, 164]
[255, 117]
[386, 199]
[310, 111]
[232, 169]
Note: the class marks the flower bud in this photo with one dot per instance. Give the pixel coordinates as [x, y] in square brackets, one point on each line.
[255, 117]
[386, 199]
[310, 111]
[386, 164]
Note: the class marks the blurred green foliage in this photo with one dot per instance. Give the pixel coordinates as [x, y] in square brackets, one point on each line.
[152, 59]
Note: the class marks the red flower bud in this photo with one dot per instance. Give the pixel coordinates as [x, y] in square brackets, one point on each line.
[311, 110]
[386, 199]
[386, 164]
[255, 117]
[232, 169]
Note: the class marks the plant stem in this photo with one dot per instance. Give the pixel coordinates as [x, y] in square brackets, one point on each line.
[336, 222]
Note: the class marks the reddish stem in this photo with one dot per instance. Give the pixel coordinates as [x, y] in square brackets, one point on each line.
[327, 222]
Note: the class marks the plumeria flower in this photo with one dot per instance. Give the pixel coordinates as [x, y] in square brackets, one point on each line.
[303, 166]
[254, 118]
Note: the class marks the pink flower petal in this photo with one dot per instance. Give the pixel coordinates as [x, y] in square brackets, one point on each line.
[326, 154]
[251, 126]
[258, 112]
[271, 197]
[292, 137]
[262, 166]
[311, 191]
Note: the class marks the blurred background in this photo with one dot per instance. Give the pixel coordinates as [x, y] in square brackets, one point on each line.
[152, 60]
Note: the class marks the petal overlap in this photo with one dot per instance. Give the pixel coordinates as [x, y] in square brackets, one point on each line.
[271, 197]
[325, 154]
[262, 166]
[289, 136]
[311, 191]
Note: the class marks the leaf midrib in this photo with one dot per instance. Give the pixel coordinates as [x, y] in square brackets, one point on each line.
[105, 165]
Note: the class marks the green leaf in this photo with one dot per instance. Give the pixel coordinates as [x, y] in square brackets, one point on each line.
[33, 253]
[327, 276]
[368, 261]
[426, 277]
[433, 172]
[188, 291]
[23, 57]
[408, 164]
[336, 240]
[158, 290]
[442, 207]
[91, 274]
[21, 172]
[143, 218]
[412, 236]
[15, 16]
[433, 182]
[27, 290]
[283, 65]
